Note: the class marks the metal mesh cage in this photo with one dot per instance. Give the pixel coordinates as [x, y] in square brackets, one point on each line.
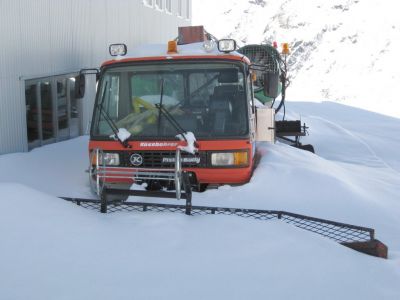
[265, 58]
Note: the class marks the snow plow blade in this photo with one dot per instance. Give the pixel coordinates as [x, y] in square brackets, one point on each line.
[361, 239]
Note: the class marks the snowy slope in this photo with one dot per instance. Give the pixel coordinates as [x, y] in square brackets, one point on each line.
[342, 50]
[55, 250]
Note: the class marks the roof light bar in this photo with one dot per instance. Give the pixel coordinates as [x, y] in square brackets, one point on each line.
[118, 49]
[226, 45]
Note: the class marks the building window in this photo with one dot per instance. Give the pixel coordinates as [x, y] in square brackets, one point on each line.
[52, 111]
[159, 4]
[168, 6]
[148, 3]
[188, 9]
[32, 112]
[180, 12]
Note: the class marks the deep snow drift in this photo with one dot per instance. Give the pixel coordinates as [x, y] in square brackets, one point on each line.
[52, 249]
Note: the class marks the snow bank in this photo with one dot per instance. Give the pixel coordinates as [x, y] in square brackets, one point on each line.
[49, 245]
[52, 249]
[56, 169]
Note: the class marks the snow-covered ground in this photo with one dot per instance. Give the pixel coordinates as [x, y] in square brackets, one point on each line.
[342, 50]
[51, 249]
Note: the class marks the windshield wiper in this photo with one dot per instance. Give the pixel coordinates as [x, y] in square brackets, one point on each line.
[169, 117]
[172, 120]
[109, 121]
[160, 105]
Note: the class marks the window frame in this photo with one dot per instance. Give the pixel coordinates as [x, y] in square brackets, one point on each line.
[157, 6]
[56, 136]
[188, 10]
[179, 11]
[168, 11]
[95, 116]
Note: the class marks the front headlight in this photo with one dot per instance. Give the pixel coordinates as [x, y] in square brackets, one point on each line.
[239, 158]
[108, 159]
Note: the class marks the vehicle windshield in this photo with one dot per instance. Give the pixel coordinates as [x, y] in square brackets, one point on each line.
[208, 99]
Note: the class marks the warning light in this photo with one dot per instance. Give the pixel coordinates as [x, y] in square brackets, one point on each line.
[172, 47]
[285, 48]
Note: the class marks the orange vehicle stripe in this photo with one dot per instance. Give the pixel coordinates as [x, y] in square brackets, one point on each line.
[176, 57]
[203, 145]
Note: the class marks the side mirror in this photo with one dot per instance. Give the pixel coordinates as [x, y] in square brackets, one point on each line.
[80, 84]
[271, 84]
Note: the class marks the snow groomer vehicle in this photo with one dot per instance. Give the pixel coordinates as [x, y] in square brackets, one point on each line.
[179, 116]
[186, 116]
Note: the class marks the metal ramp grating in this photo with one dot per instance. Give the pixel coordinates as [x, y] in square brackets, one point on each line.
[339, 232]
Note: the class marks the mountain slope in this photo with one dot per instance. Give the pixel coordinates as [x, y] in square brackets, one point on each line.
[342, 50]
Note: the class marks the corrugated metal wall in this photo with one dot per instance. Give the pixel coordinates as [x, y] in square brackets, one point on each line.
[51, 37]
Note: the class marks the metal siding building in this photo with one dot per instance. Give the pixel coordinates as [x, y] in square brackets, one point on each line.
[46, 42]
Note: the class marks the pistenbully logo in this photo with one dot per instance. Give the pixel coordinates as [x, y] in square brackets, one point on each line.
[136, 159]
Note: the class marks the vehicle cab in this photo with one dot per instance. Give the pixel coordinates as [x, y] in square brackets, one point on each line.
[160, 92]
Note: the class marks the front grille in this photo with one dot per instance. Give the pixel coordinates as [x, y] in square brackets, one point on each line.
[164, 159]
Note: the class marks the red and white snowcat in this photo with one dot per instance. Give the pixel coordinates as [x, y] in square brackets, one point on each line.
[183, 115]
[187, 115]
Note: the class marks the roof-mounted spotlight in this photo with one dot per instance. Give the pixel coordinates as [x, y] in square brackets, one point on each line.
[208, 45]
[226, 45]
[118, 49]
